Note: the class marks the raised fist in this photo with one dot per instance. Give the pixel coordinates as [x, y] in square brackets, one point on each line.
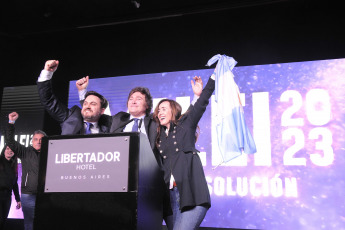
[82, 83]
[13, 116]
[51, 65]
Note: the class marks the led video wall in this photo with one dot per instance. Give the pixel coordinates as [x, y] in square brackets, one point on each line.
[296, 114]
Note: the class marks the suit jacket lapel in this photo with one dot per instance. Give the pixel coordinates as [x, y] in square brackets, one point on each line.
[121, 123]
[147, 121]
[103, 129]
[151, 130]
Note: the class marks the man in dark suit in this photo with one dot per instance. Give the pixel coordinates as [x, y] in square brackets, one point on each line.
[74, 120]
[138, 118]
[139, 104]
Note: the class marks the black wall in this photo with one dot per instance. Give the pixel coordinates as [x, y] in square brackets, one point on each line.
[289, 31]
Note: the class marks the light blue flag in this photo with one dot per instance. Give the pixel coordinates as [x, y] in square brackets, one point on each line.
[233, 135]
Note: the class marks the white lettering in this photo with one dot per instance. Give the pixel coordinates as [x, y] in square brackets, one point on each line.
[85, 167]
[276, 186]
[242, 186]
[77, 158]
[109, 156]
[257, 186]
[116, 156]
[230, 191]
[100, 157]
[93, 158]
[80, 158]
[219, 186]
[57, 159]
[73, 158]
[66, 158]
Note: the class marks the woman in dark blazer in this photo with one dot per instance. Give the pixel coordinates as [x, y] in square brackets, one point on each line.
[8, 182]
[183, 171]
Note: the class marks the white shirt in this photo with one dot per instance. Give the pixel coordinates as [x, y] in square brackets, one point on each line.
[129, 126]
[45, 76]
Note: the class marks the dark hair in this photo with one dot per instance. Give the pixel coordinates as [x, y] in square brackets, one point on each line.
[104, 102]
[176, 111]
[40, 132]
[13, 160]
[148, 97]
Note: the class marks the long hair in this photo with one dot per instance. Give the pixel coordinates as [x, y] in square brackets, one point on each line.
[13, 161]
[176, 112]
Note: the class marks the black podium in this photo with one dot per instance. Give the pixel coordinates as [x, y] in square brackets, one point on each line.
[103, 181]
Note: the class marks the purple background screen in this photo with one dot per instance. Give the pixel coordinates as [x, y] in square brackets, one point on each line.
[296, 113]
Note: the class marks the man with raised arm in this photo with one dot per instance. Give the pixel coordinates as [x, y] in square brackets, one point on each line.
[139, 105]
[139, 118]
[30, 157]
[74, 120]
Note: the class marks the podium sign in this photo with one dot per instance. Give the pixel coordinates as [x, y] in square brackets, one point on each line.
[80, 165]
[101, 181]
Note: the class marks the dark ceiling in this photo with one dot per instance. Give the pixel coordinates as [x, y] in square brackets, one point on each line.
[257, 32]
[19, 17]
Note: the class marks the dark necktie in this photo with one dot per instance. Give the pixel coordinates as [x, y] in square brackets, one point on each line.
[135, 125]
[88, 128]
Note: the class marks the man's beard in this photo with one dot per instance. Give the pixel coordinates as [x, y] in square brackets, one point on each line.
[91, 117]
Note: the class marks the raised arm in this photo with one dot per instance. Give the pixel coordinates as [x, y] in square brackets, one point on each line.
[82, 85]
[197, 85]
[16, 147]
[53, 106]
[197, 110]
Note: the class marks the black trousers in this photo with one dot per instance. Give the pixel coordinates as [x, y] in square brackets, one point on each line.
[5, 205]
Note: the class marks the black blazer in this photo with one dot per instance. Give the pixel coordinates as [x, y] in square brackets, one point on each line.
[179, 155]
[30, 161]
[8, 178]
[71, 120]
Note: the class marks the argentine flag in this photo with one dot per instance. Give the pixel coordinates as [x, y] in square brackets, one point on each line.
[233, 135]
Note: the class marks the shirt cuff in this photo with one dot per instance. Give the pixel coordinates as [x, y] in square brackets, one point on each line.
[213, 76]
[82, 94]
[45, 76]
[195, 98]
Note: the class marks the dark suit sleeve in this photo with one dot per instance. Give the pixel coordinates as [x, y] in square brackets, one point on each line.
[105, 122]
[55, 108]
[16, 190]
[16, 147]
[195, 112]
